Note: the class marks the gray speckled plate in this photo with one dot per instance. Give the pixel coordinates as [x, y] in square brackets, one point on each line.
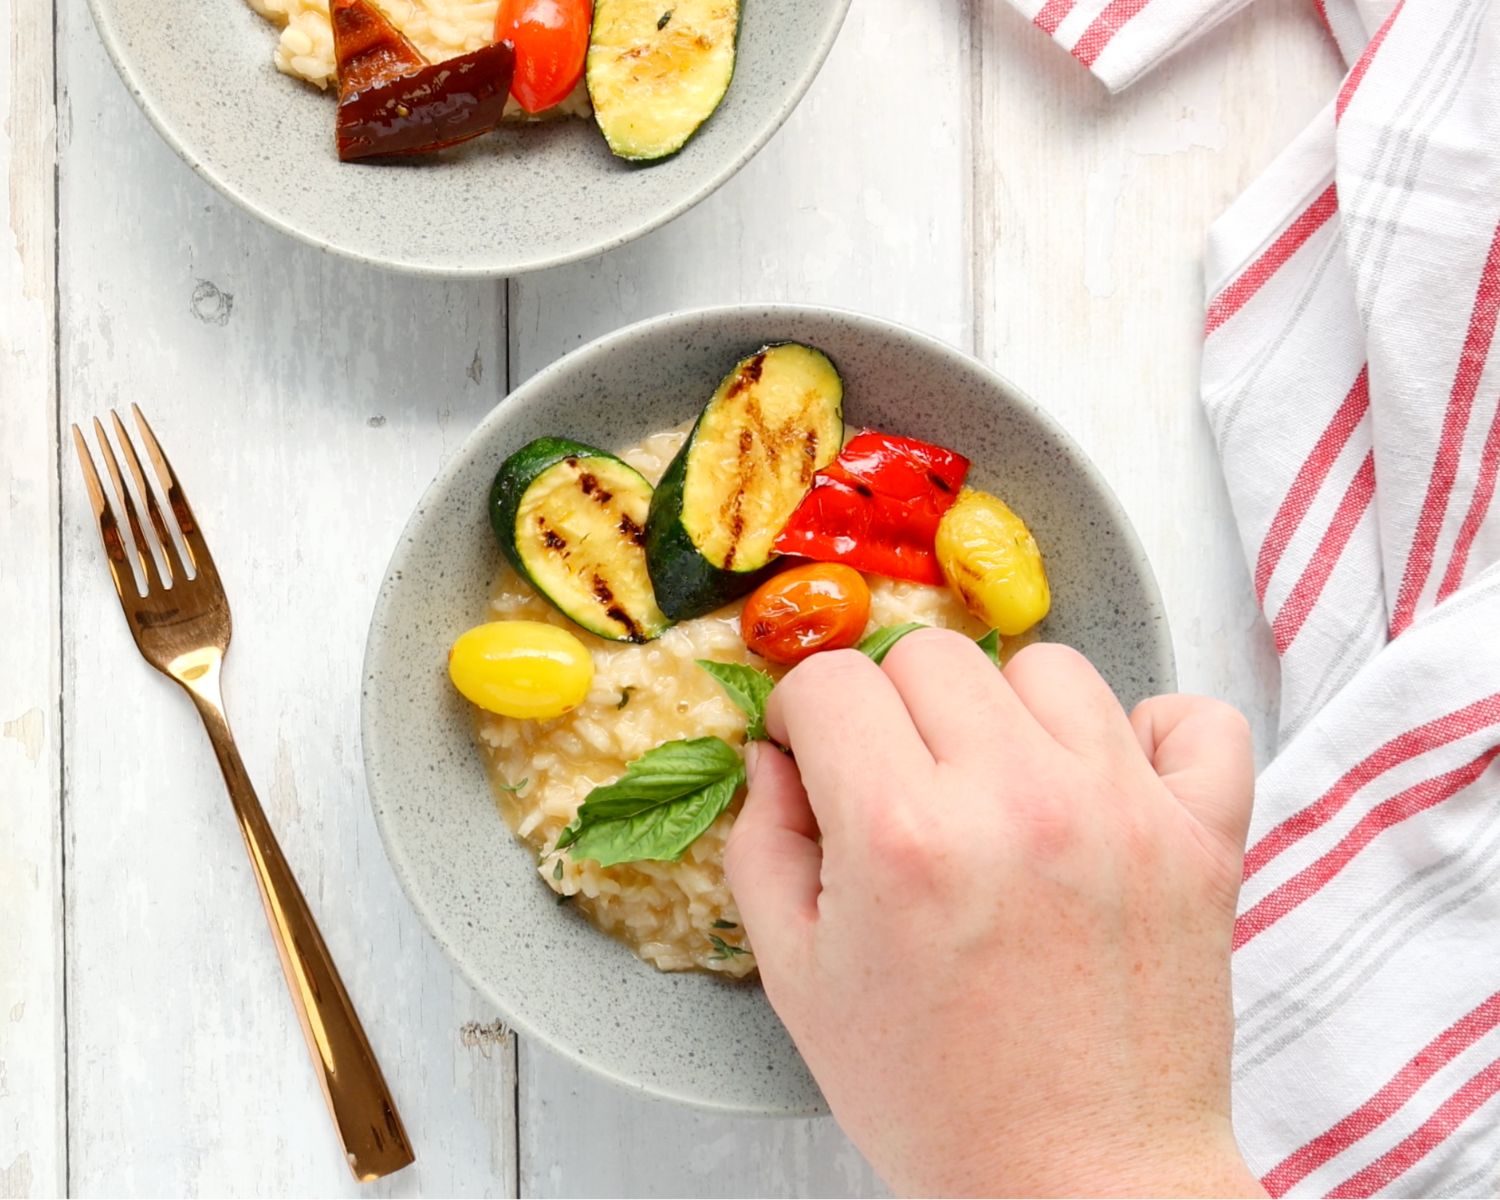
[514, 201]
[554, 977]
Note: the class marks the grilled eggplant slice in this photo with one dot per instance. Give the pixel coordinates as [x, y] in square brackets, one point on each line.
[572, 520]
[657, 69]
[774, 421]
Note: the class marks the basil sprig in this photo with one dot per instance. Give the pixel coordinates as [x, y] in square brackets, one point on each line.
[748, 688]
[990, 644]
[660, 806]
[878, 642]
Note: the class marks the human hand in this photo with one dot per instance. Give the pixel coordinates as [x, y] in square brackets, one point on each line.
[1007, 962]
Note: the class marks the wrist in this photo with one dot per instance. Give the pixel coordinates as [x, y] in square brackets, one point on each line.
[1149, 1159]
[1160, 1161]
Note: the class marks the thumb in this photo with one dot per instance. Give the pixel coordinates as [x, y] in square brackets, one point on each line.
[1200, 748]
[773, 861]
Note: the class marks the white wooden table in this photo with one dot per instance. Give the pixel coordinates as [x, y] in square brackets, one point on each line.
[949, 169]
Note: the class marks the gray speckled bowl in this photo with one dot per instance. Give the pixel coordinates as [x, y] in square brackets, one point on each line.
[510, 202]
[554, 977]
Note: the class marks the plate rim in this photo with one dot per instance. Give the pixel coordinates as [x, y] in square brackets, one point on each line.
[1166, 666]
[120, 58]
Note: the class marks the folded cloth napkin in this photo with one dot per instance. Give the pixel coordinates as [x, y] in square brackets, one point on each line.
[1351, 377]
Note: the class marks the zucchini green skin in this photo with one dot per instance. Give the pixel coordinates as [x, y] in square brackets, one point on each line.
[687, 584]
[516, 474]
[507, 496]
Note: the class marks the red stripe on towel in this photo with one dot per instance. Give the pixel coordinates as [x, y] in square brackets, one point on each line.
[1440, 731]
[1452, 1113]
[1104, 27]
[1052, 14]
[1307, 589]
[1375, 1111]
[1484, 492]
[1293, 238]
[1311, 879]
[1310, 476]
[1471, 362]
[1357, 72]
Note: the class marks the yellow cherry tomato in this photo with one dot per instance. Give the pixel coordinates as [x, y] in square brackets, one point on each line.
[523, 669]
[990, 559]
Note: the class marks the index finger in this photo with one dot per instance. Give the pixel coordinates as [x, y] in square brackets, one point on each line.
[853, 738]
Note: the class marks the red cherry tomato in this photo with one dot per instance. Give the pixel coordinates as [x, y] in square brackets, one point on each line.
[551, 38]
[822, 606]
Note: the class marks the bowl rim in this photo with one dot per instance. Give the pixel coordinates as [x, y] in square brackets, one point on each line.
[527, 393]
[120, 57]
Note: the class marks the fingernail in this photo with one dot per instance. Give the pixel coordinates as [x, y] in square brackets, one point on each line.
[752, 756]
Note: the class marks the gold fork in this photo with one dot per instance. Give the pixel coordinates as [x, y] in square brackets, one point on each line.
[181, 625]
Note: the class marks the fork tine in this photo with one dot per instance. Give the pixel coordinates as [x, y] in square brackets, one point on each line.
[115, 552]
[148, 494]
[154, 581]
[192, 536]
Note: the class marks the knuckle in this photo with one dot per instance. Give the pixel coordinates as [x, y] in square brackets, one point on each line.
[1235, 723]
[902, 844]
[927, 640]
[1049, 657]
[831, 668]
[1050, 826]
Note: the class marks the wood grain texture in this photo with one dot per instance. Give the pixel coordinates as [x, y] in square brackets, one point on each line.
[32, 1142]
[1089, 220]
[950, 168]
[306, 403]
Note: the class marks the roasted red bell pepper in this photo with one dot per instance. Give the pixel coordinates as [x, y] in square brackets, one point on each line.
[393, 101]
[876, 507]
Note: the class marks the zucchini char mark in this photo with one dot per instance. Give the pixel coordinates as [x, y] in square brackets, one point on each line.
[773, 422]
[572, 520]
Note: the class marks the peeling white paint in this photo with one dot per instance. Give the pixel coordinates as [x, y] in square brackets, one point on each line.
[27, 729]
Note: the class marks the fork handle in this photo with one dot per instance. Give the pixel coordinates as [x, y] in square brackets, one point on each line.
[363, 1110]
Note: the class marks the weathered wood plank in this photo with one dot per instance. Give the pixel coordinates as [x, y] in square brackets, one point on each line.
[32, 1104]
[859, 202]
[1089, 219]
[306, 403]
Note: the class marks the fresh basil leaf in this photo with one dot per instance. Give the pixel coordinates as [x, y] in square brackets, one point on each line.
[990, 644]
[658, 808]
[748, 688]
[877, 644]
[557, 869]
[723, 949]
[721, 923]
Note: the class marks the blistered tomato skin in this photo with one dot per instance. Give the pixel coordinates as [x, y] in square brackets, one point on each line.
[551, 40]
[990, 559]
[523, 669]
[822, 606]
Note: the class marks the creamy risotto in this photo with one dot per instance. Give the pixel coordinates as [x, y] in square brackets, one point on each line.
[676, 915]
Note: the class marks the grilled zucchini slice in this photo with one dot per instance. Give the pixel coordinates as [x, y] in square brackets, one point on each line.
[572, 520]
[777, 418]
[657, 69]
